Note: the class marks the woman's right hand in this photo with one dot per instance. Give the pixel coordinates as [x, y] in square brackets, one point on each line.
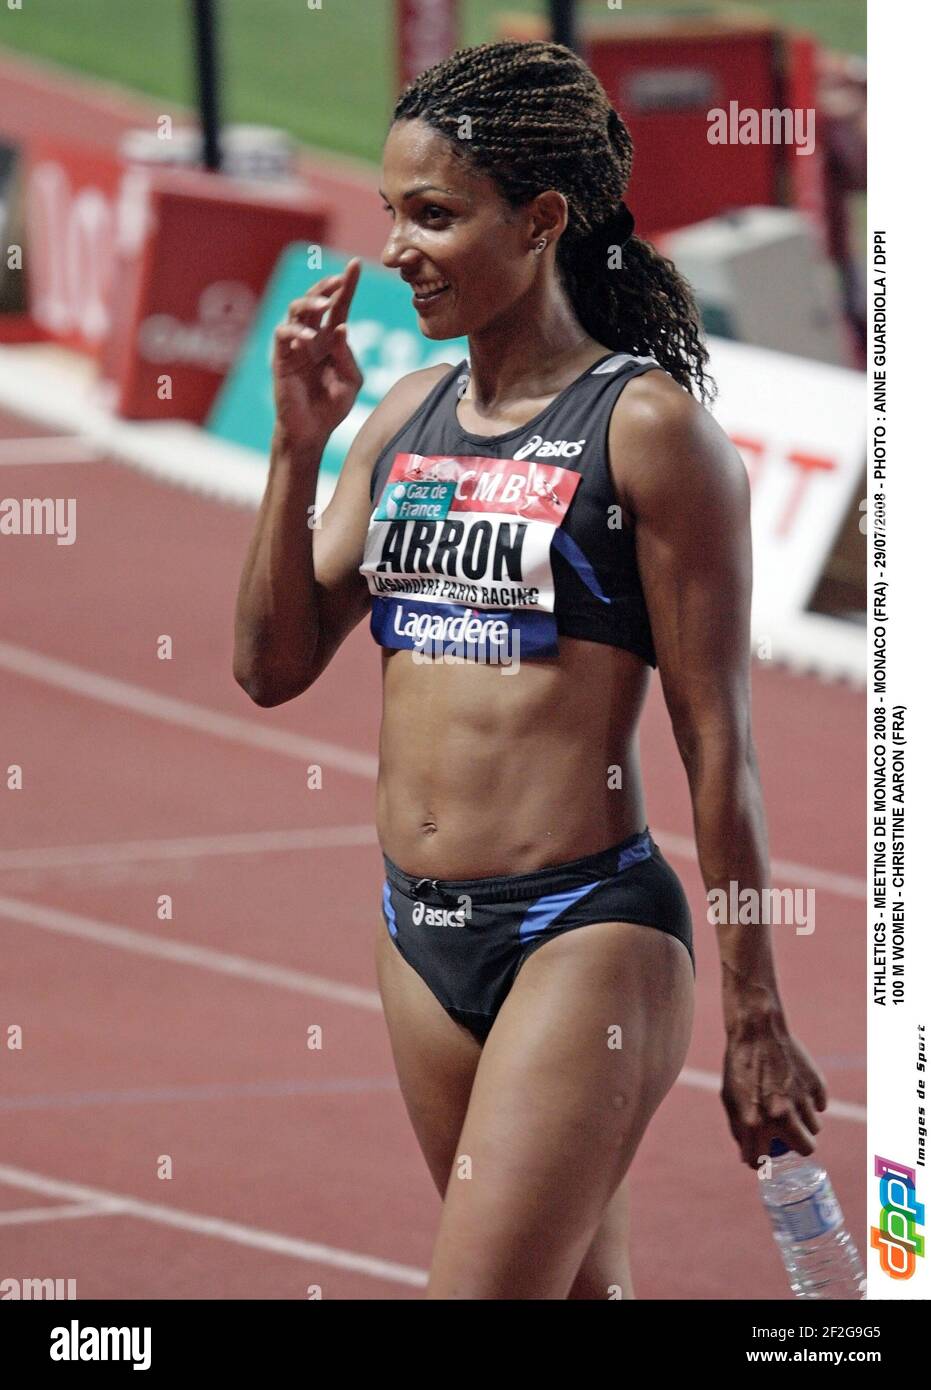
[315, 375]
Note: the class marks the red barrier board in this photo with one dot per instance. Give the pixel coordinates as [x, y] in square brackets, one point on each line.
[427, 32]
[193, 255]
[155, 272]
[665, 74]
[70, 220]
[809, 188]
[664, 85]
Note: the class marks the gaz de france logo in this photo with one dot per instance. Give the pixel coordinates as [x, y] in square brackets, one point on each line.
[415, 501]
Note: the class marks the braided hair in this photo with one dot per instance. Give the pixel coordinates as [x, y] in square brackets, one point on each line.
[540, 119]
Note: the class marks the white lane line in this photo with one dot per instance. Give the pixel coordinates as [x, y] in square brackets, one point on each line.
[205, 957]
[343, 837]
[54, 450]
[232, 1231]
[26, 1215]
[190, 847]
[182, 713]
[183, 953]
[689, 1076]
[42, 391]
[160, 1095]
[846, 1110]
[709, 1081]
[337, 837]
[66, 676]
[785, 870]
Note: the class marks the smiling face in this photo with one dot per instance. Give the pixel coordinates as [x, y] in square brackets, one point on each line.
[454, 238]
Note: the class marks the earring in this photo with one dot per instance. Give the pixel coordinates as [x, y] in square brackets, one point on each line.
[540, 246]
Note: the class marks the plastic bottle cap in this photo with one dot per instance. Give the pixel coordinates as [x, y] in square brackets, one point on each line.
[777, 1148]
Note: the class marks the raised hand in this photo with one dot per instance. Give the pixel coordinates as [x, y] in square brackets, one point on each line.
[316, 377]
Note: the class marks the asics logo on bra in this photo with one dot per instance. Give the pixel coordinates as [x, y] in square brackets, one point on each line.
[438, 916]
[550, 448]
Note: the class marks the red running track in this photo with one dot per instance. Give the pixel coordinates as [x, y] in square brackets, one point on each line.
[145, 1038]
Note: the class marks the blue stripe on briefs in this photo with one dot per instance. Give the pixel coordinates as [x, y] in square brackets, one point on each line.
[539, 915]
[640, 849]
[388, 909]
[579, 561]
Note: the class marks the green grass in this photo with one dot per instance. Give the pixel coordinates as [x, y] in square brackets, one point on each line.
[325, 75]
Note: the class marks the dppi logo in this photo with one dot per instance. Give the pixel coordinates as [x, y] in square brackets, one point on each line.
[896, 1237]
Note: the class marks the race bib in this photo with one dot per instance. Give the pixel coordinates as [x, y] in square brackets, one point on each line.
[458, 554]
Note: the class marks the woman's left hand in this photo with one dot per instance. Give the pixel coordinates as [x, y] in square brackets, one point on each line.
[771, 1088]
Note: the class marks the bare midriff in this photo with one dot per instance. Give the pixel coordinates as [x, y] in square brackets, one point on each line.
[485, 774]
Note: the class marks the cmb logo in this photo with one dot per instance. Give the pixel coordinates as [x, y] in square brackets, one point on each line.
[896, 1237]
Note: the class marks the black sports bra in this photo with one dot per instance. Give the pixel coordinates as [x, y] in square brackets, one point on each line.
[487, 546]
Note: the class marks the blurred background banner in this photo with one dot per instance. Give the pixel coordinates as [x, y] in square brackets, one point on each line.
[800, 429]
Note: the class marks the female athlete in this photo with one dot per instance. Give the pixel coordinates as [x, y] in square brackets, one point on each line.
[531, 531]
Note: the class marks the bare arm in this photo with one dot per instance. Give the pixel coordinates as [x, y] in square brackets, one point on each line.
[300, 593]
[316, 380]
[684, 483]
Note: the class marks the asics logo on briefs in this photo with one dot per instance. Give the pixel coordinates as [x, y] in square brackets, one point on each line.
[438, 916]
[550, 448]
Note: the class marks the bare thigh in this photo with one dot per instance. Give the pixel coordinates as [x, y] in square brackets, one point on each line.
[590, 1038]
[434, 1055]
[436, 1061]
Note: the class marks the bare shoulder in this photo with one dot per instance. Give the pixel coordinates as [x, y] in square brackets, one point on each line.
[420, 382]
[406, 395]
[661, 439]
[393, 410]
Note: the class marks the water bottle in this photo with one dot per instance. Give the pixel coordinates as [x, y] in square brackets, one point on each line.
[816, 1248]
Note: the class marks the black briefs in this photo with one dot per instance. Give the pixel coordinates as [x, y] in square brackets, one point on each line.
[468, 938]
